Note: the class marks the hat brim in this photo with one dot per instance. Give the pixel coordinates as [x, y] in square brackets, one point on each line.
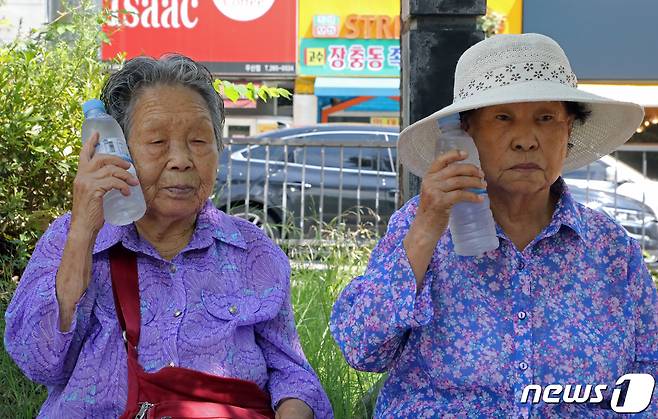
[610, 124]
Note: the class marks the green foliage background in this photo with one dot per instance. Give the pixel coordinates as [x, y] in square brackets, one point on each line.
[43, 80]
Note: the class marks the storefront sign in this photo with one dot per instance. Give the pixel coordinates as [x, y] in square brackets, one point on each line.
[229, 36]
[240, 104]
[372, 27]
[357, 27]
[347, 57]
[243, 10]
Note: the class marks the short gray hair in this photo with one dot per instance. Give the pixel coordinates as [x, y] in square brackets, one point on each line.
[123, 87]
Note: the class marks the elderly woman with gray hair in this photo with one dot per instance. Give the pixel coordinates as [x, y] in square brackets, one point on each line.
[183, 313]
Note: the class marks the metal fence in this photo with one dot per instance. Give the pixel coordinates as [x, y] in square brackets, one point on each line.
[293, 187]
[351, 184]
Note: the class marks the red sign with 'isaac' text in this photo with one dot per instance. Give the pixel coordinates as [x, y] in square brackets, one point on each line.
[228, 36]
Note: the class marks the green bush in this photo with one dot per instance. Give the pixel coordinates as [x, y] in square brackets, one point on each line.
[43, 80]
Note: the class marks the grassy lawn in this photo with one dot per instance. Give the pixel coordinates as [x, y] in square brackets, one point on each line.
[313, 294]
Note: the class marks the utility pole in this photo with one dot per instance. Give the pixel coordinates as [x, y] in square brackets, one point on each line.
[434, 35]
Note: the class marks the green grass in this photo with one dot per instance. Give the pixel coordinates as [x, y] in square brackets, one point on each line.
[314, 289]
[313, 292]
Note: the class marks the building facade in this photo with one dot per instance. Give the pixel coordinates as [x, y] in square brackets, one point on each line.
[348, 62]
[243, 42]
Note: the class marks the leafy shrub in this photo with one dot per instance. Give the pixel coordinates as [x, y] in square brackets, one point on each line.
[43, 80]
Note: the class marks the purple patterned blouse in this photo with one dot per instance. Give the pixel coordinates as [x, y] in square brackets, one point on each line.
[221, 306]
[576, 306]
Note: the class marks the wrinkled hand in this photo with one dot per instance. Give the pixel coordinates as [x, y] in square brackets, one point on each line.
[97, 174]
[444, 185]
[293, 409]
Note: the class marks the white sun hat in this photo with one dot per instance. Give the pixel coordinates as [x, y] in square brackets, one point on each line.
[523, 68]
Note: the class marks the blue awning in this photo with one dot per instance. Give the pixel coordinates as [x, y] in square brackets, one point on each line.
[357, 86]
[377, 104]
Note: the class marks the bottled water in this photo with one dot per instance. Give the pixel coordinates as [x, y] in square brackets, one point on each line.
[117, 208]
[471, 224]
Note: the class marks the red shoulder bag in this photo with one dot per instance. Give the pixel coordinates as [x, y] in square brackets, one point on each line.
[174, 392]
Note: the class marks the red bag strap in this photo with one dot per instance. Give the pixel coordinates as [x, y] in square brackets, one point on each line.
[125, 287]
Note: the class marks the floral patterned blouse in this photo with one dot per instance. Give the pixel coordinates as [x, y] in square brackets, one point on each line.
[576, 306]
[221, 306]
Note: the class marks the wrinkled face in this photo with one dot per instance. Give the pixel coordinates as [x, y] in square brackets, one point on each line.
[173, 145]
[530, 133]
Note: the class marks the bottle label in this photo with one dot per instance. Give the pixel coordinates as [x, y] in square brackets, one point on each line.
[114, 146]
[479, 191]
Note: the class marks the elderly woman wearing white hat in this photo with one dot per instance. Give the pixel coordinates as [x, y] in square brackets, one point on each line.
[564, 300]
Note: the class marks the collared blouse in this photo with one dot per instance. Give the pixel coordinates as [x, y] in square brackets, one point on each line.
[576, 306]
[221, 306]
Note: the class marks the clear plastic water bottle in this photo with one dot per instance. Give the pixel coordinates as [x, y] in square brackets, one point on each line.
[117, 208]
[471, 224]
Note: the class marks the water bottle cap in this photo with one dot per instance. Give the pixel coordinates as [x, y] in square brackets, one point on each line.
[92, 104]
